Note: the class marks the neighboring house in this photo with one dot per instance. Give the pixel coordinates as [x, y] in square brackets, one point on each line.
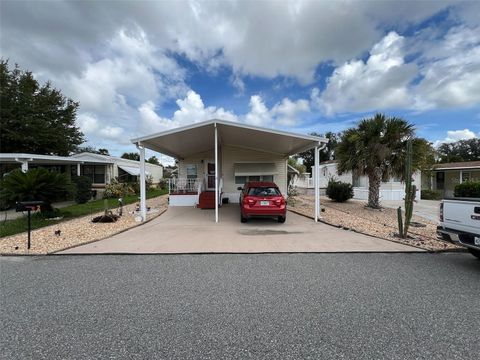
[394, 189]
[217, 157]
[444, 177]
[101, 169]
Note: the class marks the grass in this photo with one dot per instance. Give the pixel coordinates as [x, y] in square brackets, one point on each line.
[15, 226]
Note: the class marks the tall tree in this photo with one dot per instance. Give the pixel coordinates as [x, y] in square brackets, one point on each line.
[327, 153]
[153, 160]
[377, 148]
[103, 151]
[131, 156]
[462, 150]
[35, 118]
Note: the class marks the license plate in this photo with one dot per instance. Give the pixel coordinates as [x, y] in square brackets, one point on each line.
[476, 240]
[264, 203]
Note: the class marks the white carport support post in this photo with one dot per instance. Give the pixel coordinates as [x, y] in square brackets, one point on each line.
[316, 183]
[216, 172]
[143, 195]
[24, 166]
[78, 169]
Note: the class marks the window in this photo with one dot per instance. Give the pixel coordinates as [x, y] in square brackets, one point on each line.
[267, 178]
[96, 173]
[263, 191]
[465, 176]
[191, 171]
[240, 180]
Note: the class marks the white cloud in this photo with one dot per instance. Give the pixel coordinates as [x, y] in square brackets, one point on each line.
[450, 71]
[379, 83]
[288, 112]
[92, 126]
[456, 135]
[267, 38]
[190, 110]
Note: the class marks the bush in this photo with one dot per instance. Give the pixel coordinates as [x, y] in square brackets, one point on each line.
[468, 189]
[163, 184]
[339, 191]
[83, 191]
[117, 189]
[36, 184]
[430, 195]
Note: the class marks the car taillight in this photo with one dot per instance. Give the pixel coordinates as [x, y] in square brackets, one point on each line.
[441, 212]
[249, 202]
[279, 202]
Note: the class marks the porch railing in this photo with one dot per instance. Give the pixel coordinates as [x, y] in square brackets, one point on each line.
[184, 186]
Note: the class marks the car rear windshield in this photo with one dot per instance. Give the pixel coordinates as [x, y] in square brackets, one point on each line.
[263, 191]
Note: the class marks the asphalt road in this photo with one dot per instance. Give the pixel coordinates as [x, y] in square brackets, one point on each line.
[329, 306]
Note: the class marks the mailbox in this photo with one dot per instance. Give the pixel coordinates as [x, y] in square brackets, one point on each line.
[28, 205]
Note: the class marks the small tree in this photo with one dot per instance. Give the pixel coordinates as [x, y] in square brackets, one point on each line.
[35, 184]
[377, 148]
[339, 191]
[83, 191]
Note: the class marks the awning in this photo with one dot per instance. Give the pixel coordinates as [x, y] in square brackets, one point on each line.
[191, 140]
[132, 170]
[249, 169]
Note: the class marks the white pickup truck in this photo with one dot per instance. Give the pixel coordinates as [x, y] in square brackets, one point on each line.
[460, 223]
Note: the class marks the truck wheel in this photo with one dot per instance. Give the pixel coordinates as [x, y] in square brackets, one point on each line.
[474, 252]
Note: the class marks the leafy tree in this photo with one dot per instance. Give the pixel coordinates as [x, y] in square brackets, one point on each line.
[37, 184]
[35, 118]
[131, 156]
[462, 150]
[327, 153]
[153, 160]
[377, 148]
[91, 149]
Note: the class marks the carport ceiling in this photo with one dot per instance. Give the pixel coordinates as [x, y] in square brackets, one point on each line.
[190, 140]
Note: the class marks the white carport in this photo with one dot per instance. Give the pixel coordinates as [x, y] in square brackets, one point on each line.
[26, 159]
[186, 141]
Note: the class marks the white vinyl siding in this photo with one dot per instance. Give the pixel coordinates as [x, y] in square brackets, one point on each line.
[235, 155]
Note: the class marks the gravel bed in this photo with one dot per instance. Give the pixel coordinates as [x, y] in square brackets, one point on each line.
[77, 231]
[353, 215]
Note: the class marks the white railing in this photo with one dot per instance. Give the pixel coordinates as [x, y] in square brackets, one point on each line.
[183, 186]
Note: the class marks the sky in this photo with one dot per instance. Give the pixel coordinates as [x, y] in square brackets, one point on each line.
[139, 67]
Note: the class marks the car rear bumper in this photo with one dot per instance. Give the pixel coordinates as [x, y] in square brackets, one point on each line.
[457, 237]
[264, 212]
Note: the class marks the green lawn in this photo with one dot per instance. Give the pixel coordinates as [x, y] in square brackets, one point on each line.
[11, 227]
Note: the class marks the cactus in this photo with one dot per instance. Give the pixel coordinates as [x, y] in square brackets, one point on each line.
[410, 191]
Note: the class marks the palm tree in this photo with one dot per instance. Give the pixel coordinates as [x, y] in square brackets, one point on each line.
[377, 148]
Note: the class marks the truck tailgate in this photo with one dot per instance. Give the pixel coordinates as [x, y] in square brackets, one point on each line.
[462, 215]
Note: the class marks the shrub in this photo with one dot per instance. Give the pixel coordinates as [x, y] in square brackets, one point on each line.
[468, 189]
[83, 191]
[339, 191]
[163, 184]
[36, 184]
[117, 189]
[431, 195]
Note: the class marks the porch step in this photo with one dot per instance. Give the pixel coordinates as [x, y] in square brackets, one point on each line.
[207, 200]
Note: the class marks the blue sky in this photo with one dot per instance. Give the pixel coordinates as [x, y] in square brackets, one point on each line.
[302, 66]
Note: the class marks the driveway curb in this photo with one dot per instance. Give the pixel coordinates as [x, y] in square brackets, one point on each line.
[378, 237]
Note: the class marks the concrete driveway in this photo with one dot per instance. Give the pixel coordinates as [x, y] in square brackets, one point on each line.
[428, 209]
[190, 230]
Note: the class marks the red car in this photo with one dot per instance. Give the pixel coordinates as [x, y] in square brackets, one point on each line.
[261, 198]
